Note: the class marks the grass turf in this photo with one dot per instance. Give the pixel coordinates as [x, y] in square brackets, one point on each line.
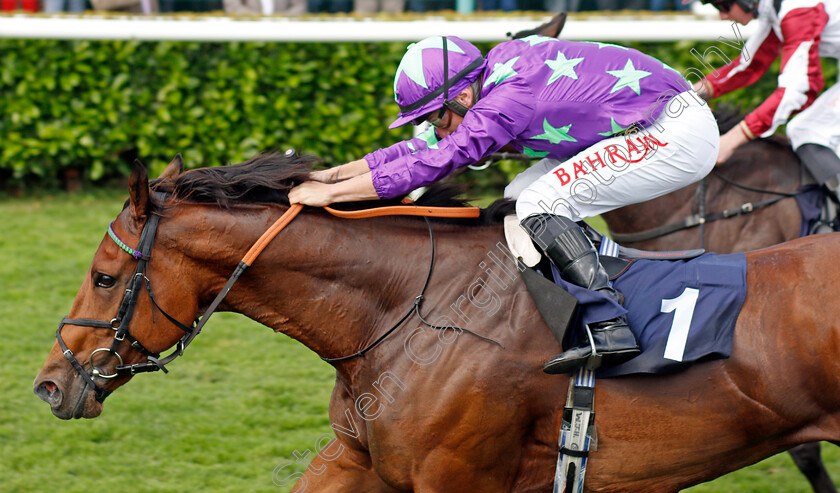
[239, 403]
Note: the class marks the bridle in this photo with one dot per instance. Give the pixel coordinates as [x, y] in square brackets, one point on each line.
[121, 323]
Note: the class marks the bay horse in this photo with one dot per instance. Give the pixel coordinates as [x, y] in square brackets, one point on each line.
[442, 410]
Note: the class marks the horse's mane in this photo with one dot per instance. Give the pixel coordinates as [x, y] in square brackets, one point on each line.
[262, 179]
[267, 178]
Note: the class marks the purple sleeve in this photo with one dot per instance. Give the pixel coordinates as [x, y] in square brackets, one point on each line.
[385, 154]
[494, 121]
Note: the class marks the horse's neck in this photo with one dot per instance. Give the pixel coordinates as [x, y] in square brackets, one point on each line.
[335, 285]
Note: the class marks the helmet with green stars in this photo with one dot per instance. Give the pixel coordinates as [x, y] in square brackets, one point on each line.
[430, 72]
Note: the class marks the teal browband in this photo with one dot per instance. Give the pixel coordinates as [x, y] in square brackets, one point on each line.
[134, 253]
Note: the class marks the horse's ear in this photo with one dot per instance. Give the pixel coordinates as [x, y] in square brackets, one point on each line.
[556, 25]
[173, 169]
[551, 28]
[138, 191]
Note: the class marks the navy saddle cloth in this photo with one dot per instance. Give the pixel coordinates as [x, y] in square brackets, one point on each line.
[681, 311]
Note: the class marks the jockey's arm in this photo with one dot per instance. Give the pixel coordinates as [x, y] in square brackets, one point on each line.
[758, 54]
[341, 173]
[319, 194]
[800, 78]
[739, 134]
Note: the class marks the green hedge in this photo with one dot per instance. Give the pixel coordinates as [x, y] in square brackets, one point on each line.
[92, 105]
[89, 108]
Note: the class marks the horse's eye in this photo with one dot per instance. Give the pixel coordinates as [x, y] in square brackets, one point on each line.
[104, 281]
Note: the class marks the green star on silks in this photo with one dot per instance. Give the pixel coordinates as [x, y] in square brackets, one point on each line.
[430, 138]
[501, 71]
[628, 77]
[616, 128]
[412, 62]
[530, 152]
[536, 39]
[563, 67]
[554, 135]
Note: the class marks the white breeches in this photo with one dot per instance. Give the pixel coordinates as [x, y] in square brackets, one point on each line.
[678, 149]
[818, 123]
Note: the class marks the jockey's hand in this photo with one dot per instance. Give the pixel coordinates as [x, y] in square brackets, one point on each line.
[701, 87]
[729, 142]
[311, 193]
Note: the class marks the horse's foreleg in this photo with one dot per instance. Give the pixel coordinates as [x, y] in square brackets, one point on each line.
[350, 472]
[807, 458]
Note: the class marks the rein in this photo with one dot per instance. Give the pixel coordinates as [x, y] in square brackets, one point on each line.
[692, 221]
[120, 324]
[702, 218]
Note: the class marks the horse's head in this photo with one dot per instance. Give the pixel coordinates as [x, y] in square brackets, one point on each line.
[118, 324]
[146, 283]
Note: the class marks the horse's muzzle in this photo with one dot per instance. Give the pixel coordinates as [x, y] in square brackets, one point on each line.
[67, 402]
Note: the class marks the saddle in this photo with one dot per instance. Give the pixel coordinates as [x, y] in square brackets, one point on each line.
[556, 305]
[621, 257]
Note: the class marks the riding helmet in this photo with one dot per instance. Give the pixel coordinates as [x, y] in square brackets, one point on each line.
[430, 72]
[748, 6]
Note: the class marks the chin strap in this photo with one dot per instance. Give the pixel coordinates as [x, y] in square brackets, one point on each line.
[459, 108]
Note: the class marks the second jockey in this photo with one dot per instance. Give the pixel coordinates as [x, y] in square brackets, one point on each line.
[615, 126]
[800, 31]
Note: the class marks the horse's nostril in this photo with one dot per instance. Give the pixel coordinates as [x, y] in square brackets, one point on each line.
[48, 391]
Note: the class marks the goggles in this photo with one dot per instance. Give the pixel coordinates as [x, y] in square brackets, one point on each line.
[431, 118]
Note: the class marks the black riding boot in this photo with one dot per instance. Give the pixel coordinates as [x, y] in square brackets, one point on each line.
[823, 163]
[565, 243]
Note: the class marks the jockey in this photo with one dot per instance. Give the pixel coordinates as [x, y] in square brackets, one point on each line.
[616, 127]
[801, 31]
